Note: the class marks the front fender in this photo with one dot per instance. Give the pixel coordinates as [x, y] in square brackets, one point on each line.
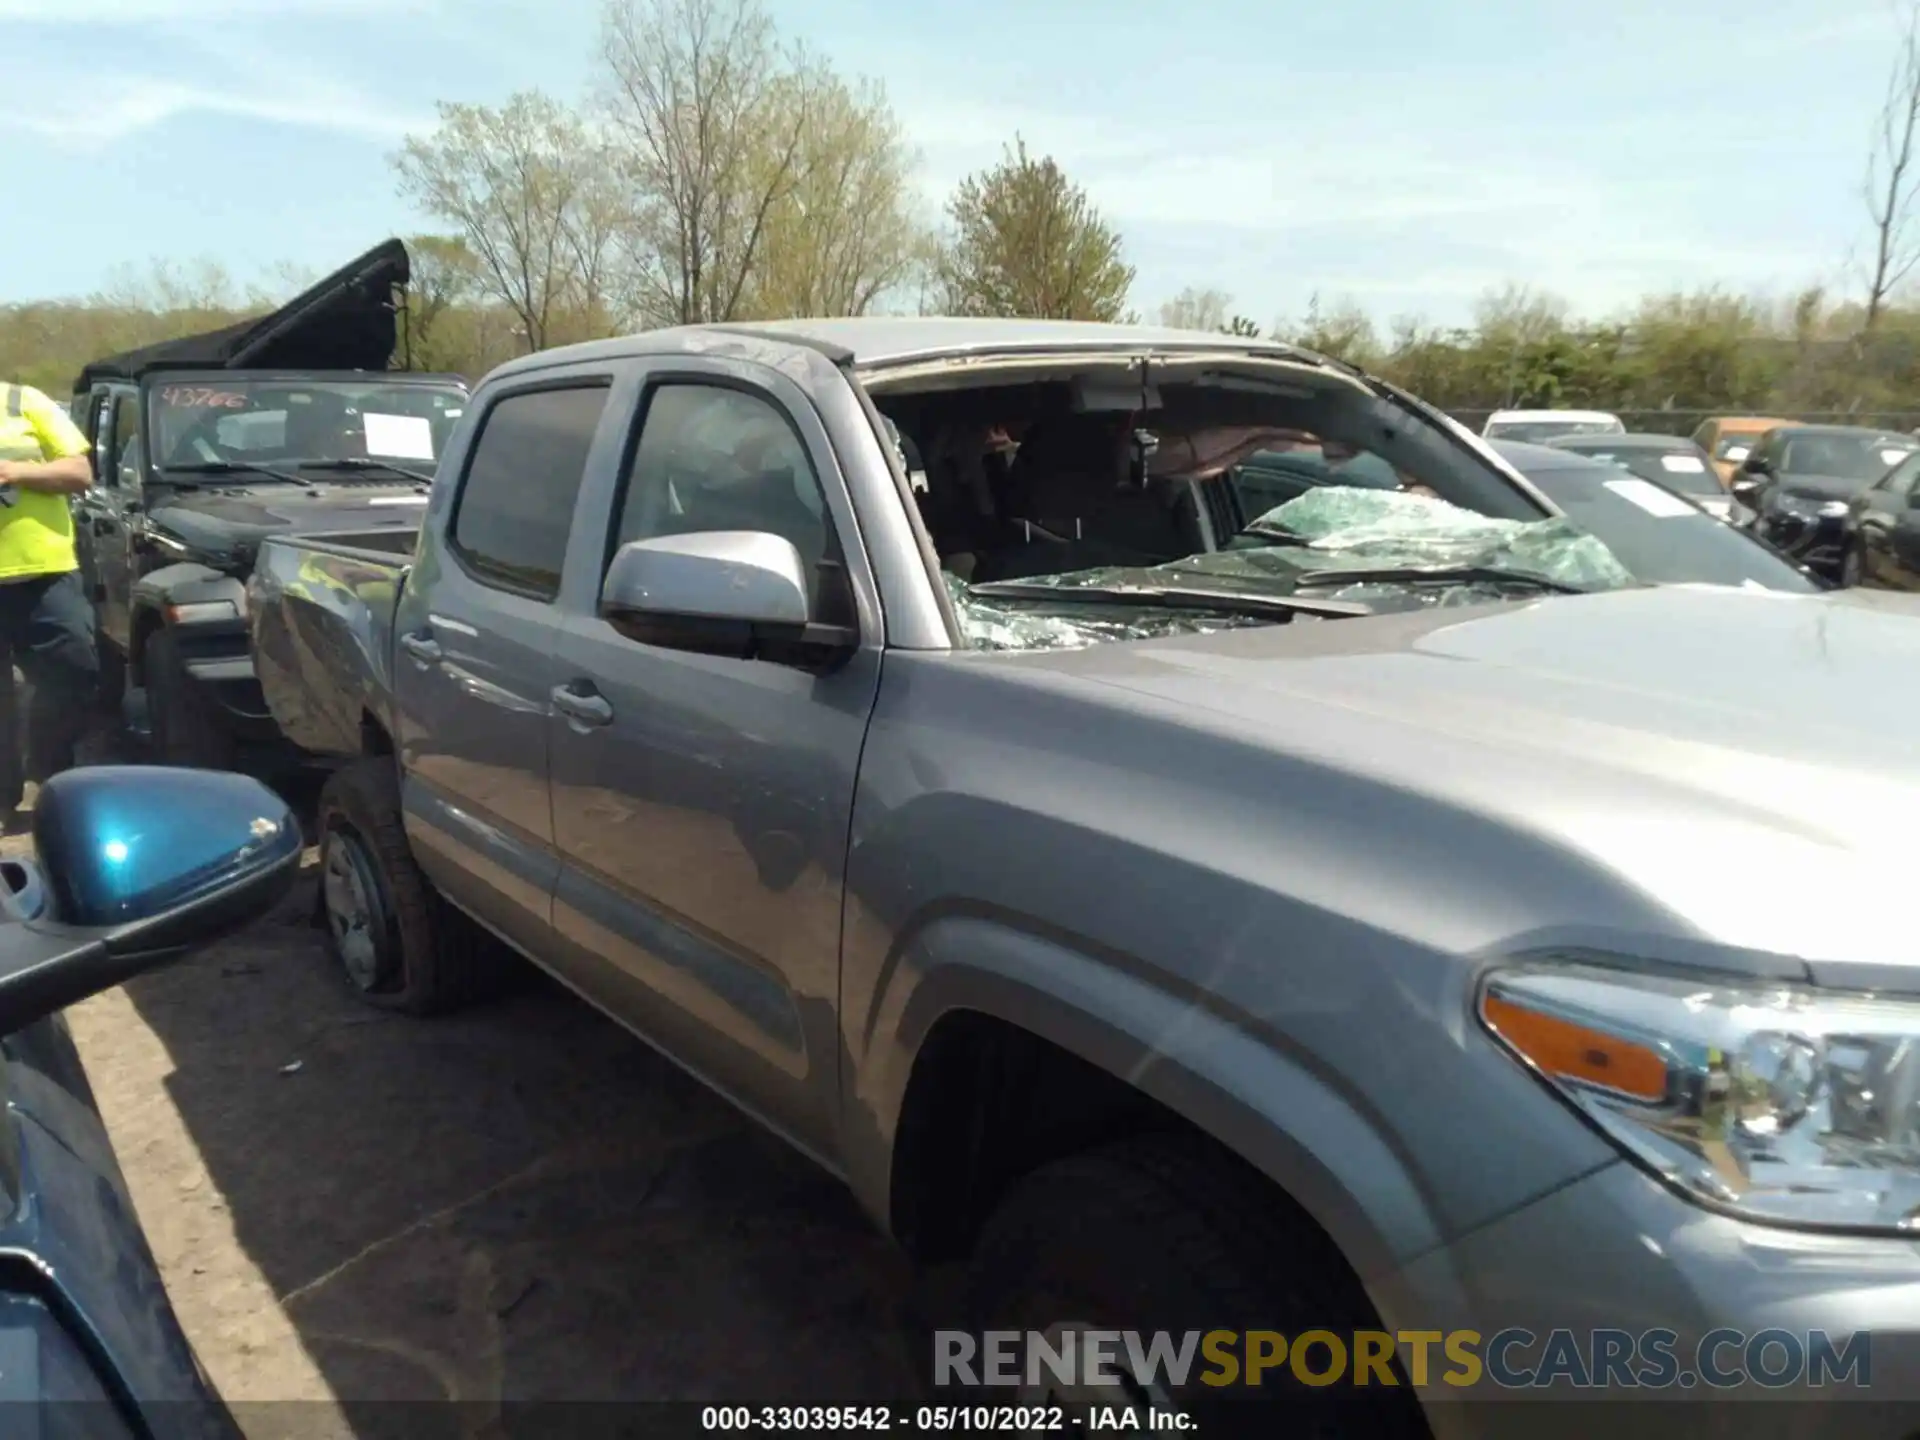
[161, 597]
[1282, 952]
[1268, 1107]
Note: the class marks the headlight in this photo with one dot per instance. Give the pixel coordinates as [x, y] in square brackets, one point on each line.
[1778, 1104]
[197, 611]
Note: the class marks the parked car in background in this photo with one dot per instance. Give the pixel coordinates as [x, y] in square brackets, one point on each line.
[1538, 426]
[1667, 460]
[1885, 552]
[1269, 478]
[1665, 537]
[1728, 439]
[135, 866]
[1800, 481]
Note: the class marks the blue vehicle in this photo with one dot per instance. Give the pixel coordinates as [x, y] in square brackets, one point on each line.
[137, 866]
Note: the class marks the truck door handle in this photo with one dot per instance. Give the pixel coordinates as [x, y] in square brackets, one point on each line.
[425, 651]
[581, 709]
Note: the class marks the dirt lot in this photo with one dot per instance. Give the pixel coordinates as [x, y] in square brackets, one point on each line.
[520, 1203]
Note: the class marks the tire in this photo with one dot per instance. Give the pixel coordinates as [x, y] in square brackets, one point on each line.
[399, 945]
[1853, 567]
[1165, 1233]
[187, 730]
[112, 690]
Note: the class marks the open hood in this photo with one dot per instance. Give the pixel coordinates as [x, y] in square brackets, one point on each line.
[345, 322]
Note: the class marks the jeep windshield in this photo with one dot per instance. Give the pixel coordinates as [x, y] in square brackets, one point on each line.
[1129, 497]
[371, 429]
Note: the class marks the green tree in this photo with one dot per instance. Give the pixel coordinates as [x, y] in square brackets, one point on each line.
[524, 185]
[1025, 240]
[846, 235]
[758, 181]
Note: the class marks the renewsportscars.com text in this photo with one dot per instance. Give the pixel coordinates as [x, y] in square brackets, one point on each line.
[1508, 1359]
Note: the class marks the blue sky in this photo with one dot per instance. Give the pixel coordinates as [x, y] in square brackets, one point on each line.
[1405, 154]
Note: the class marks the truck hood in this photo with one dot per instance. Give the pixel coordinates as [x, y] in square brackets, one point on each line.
[1745, 760]
[232, 520]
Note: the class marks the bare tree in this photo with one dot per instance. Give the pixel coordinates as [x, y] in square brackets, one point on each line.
[197, 287]
[1195, 309]
[1891, 177]
[712, 117]
[1028, 241]
[515, 181]
[1343, 330]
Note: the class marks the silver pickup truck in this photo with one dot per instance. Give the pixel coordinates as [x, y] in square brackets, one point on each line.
[1364, 909]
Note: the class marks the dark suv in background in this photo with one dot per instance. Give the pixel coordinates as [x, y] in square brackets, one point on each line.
[1800, 480]
[204, 445]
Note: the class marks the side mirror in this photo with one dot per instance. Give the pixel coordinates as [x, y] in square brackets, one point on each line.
[739, 593]
[137, 865]
[1746, 489]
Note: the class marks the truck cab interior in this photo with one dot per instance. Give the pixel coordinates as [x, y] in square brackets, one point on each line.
[1062, 475]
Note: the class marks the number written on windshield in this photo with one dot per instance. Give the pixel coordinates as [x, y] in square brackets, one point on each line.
[190, 398]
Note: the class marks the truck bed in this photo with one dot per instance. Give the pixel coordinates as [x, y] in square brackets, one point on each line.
[321, 612]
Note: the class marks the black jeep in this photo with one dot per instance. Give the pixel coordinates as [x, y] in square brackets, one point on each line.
[293, 423]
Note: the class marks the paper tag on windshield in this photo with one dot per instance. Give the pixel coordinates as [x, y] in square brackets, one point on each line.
[1682, 464]
[1894, 457]
[1651, 498]
[399, 437]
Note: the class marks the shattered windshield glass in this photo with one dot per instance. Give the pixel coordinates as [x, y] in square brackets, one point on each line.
[995, 624]
[1389, 550]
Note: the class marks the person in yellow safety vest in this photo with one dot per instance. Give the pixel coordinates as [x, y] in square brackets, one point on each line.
[46, 619]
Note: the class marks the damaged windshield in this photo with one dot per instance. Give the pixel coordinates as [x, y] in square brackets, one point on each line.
[1366, 550]
[1064, 516]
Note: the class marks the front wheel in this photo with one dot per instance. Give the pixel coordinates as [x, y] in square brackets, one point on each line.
[187, 728]
[112, 690]
[1853, 566]
[1163, 1235]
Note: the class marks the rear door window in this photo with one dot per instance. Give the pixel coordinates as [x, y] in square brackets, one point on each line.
[514, 511]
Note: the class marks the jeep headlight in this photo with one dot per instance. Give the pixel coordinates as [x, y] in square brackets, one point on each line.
[1783, 1104]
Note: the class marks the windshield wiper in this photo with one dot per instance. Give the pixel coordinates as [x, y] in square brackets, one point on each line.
[1173, 597]
[1435, 574]
[1279, 535]
[238, 467]
[357, 462]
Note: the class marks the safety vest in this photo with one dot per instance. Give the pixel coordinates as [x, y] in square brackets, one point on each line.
[36, 531]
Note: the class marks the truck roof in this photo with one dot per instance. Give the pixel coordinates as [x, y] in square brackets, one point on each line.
[880, 340]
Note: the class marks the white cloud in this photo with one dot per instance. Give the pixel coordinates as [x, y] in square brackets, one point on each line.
[122, 107]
